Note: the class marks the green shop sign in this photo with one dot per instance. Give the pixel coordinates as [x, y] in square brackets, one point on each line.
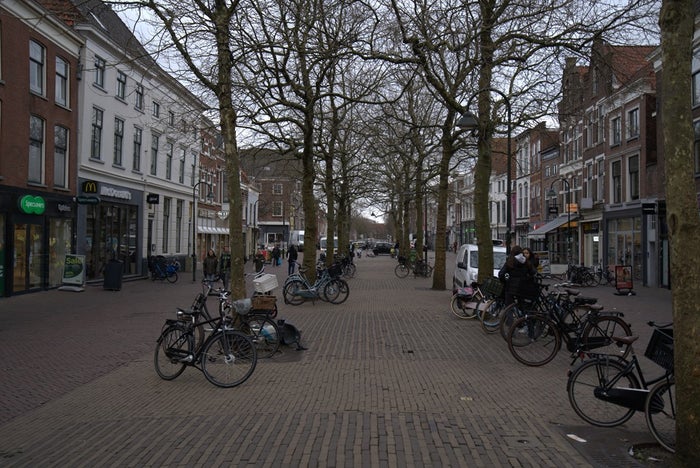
[32, 204]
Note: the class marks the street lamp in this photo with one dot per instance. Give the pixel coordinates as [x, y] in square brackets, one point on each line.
[469, 121]
[551, 193]
[210, 197]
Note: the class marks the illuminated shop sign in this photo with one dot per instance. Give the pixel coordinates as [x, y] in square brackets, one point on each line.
[31, 204]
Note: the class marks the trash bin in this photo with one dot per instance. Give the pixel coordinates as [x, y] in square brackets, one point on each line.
[113, 275]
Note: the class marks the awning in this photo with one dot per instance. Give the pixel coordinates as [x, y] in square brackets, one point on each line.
[552, 225]
[211, 230]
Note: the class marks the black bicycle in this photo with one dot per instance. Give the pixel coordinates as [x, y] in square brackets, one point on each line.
[607, 390]
[535, 339]
[226, 357]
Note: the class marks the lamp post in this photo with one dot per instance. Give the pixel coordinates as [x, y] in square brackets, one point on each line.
[552, 193]
[469, 121]
[210, 196]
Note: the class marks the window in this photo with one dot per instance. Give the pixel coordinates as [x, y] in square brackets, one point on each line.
[168, 160]
[178, 225]
[633, 123]
[60, 157]
[138, 135]
[37, 55]
[633, 168]
[166, 223]
[100, 66]
[36, 150]
[61, 82]
[139, 97]
[96, 141]
[616, 182]
[277, 189]
[154, 153]
[615, 131]
[121, 85]
[601, 180]
[171, 118]
[696, 147]
[118, 141]
[696, 89]
[181, 176]
[277, 209]
[588, 181]
[156, 109]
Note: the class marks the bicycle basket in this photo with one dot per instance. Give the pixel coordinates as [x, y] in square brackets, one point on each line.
[492, 287]
[660, 348]
[335, 270]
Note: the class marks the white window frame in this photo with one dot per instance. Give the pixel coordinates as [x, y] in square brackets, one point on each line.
[62, 84]
[37, 68]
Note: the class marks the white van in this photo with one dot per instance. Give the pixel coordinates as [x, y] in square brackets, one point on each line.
[467, 264]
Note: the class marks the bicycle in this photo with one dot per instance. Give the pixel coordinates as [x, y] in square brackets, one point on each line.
[607, 390]
[419, 268]
[581, 275]
[605, 275]
[470, 302]
[160, 270]
[328, 286]
[534, 340]
[253, 317]
[226, 357]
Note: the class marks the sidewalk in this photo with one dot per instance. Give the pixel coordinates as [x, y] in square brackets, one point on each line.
[390, 378]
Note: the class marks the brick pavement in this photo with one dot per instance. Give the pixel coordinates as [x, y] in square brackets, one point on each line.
[390, 378]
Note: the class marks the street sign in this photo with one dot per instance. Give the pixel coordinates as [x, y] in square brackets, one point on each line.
[87, 200]
[553, 210]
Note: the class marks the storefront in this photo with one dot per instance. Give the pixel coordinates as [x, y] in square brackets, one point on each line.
[36, 233]
[623, 241]
[109, 228]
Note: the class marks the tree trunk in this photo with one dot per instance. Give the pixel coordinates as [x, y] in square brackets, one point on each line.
[677, 22]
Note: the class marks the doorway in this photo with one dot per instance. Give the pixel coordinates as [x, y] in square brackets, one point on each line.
[28, 256]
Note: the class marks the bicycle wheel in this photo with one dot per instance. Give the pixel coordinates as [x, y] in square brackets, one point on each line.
[336, 291]
[490, 311]
[401, 270]
[173, 350]
[592, 395]
[228, 359]
[598, 332]
[460, 306]
[265, 335]
[589, 279]
[172, 278]
[349, 270]
[290, 292]
[509, 315]
[660, 412]
[534, 340]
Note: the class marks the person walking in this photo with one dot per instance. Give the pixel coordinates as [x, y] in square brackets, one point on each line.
[518, 274]
[292, 256]
[210, 264]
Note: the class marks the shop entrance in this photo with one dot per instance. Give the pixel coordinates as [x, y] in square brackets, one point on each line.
[28, 257]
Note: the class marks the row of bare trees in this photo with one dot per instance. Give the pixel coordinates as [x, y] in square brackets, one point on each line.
[367, 94]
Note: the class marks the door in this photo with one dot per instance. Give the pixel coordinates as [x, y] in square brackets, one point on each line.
[28, 257]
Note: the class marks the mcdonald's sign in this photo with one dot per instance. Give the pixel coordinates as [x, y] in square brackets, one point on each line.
[89, 186]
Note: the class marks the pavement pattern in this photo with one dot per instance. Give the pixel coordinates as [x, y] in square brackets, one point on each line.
[391, 378]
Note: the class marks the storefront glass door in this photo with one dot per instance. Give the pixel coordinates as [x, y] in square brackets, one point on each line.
[28, 257]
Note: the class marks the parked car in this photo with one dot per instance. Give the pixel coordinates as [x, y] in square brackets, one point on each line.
[467, 264]
[382, 248]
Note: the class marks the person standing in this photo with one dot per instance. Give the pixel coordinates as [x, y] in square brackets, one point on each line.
[518, 274]
[292, 256]
[276, 256]
[210, 264]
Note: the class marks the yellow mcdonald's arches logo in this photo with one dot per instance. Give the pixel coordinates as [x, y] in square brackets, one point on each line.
[90, 186]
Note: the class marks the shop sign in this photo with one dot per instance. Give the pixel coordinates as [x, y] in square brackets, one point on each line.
[89, 186]
[153, 198]
[31, 204]
[114, 193]
[87, 200]
[74, 270]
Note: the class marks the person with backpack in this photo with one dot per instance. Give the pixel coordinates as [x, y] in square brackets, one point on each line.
[518, 274]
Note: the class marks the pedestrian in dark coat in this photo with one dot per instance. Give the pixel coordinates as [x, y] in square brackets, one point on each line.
[519, 276]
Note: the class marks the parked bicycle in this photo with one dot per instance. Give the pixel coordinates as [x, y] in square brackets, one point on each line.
[161, 270]
[470, 302]
[226, 357]
[607, 390]
[581, 275]
[535, 339]
[419, 268]
[605, 275]
[328, 287]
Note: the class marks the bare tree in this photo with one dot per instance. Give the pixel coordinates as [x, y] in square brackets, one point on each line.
[677, 26]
